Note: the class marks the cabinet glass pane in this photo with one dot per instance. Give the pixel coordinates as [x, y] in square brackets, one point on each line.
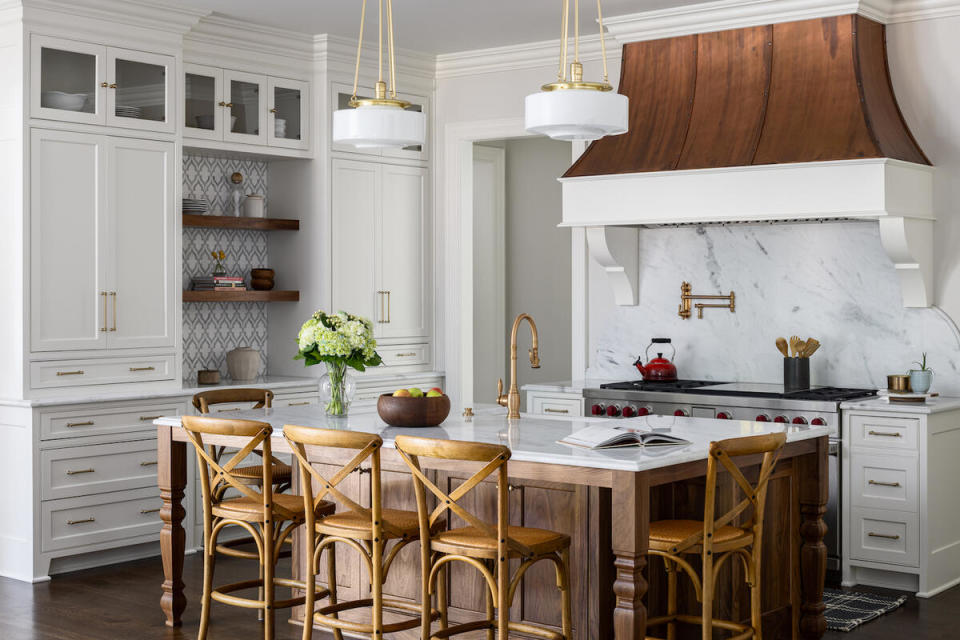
[286, 117]
[245, 98]
[200, 101]
[141, 91]
[68, 80]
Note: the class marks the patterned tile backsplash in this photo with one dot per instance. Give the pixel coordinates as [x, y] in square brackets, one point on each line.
[210, 330]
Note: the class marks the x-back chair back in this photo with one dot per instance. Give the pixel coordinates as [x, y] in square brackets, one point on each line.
[260, 398]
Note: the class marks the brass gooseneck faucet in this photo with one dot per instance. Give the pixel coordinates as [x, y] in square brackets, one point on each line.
[512, 400]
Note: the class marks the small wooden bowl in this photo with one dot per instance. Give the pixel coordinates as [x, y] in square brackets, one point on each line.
[413, 412]
[265, 274]
[261, 284]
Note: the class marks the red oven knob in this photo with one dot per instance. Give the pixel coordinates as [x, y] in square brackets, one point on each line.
[818, 422]
[628, 412]
[762, 418]
[597, 410]
[799, 420]
[613, 411]
[643, 411]
[680, 412]
[722, 415]
[780, 419]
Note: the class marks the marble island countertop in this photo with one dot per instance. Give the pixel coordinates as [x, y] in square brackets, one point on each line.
[534, 438]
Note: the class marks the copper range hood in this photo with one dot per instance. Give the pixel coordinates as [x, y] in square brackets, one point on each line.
[789, 122]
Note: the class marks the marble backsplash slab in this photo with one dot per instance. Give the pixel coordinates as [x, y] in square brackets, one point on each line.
[830, 281]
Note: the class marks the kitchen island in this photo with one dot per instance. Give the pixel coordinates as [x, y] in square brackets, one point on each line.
[614, 495]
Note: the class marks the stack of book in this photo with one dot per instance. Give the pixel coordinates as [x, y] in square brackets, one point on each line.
[219, 283]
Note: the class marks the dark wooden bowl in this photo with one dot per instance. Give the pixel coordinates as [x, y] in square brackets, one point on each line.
[266, 274]
[261, 284]
[413, 412]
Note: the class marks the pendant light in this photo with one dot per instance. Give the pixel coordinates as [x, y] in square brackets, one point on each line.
[571, 109]
[381, 121]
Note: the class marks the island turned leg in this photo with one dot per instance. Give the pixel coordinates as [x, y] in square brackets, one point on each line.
[172, 479]
[630, 528]
[814, 481]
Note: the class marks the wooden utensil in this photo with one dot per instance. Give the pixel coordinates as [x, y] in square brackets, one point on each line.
[782, 346]
[811, 347]
[794, 346]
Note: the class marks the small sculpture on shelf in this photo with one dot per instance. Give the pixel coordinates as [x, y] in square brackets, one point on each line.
[236, 192]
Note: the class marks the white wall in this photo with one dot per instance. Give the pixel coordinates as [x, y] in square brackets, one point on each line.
[538, 254]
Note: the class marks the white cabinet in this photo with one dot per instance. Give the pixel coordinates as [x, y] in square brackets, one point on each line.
[93, 84]
[102, 242]
[247, 108]
[380, 246]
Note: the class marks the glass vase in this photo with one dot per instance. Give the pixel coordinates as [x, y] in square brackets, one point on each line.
[336, 389]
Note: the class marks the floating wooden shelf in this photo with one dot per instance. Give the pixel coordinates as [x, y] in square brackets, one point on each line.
[241, 296]
[232, 222]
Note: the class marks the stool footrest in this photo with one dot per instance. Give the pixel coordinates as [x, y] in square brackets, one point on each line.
[222, 594]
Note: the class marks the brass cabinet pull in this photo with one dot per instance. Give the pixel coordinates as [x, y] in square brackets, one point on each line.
[274, 110]
[113, 85]
[222, 103]
[884, 433]
[883, 535]
[227, 410]
[146, 511]
[297, 404]
[388, 307]
[883, 484]
[84, 521]
[103, 294]
[511, 487]
[407, 355]
[143, 368]
[149, 418]
[229, 105]
[148, 463]
[556, 410]
[104, 85]
[113, 296]
[78, 372]
[74, 472]
[88, 423]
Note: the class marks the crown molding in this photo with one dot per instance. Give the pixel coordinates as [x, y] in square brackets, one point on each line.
[341, 52]
[533, 55]
[159, 15]
[221, 36]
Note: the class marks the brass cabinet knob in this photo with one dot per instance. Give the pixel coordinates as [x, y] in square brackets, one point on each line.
[273, 110]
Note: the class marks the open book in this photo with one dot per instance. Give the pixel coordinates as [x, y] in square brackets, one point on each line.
[604, 437]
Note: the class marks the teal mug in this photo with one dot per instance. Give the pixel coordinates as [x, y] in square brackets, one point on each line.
[920, 380]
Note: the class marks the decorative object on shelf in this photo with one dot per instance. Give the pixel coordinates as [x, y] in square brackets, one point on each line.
[280, 127]
[686, 297]
[261, 279]
[208, 376]
[197, 206]
[219, 270]
[570, 108]
[243, 363]
[339, 340]
[218, 283]
[899, 383]
[253, 206]
[411, 411]
[236, 193]
[381, 121]
[63, 100]
[922, 378]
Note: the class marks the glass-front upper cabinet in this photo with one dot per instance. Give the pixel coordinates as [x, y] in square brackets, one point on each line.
[93, 84]
[68, 80]
[246, 97]
[289, 113]
[342, 95]
[140, 90]
[204, 106]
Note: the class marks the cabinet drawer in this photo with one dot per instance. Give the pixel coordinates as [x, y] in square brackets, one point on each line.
[402, 355]
[75, 522]
[97, 420]
[884, 432]
[884, 482]
[79, 471]
[554, 406]
[885, 536]
[297, 400]
[74, 373]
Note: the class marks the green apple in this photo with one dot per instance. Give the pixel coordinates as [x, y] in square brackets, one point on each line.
[415, 392]
[401, 393]
[434, 393]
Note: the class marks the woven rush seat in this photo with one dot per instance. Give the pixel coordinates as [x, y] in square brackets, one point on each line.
[250, 510]
[539, 541]
[665, 534]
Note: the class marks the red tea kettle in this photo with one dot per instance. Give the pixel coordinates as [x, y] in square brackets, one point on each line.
[659, 368]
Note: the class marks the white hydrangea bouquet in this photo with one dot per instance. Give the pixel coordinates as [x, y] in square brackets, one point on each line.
[339, 340]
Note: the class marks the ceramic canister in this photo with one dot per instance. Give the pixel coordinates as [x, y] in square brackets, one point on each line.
[243, 363]
[253, 206]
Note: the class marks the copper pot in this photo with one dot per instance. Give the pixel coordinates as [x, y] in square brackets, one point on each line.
[899, 383]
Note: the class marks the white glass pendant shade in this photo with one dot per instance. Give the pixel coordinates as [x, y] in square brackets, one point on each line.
[373, 125]
[576, 114]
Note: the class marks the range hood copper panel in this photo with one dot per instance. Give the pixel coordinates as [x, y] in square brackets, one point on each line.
[807, 91]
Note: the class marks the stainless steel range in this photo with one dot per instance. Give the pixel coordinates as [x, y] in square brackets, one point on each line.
[759, 402]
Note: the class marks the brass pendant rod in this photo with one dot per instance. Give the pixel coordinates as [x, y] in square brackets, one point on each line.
[603, 43]
[393, 57]
[563, 32]
[576, 30]
[565, 26]
[356, 72]
[380, 41]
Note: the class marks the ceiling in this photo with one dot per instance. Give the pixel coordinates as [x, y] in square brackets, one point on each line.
[431, 26]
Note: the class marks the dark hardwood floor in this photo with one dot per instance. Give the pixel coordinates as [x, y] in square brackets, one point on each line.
[121, 602]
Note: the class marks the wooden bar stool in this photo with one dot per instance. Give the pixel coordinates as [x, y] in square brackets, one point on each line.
[481, 544]
[276, 514]
[260, 399]
[716, 540]
[368, 531]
